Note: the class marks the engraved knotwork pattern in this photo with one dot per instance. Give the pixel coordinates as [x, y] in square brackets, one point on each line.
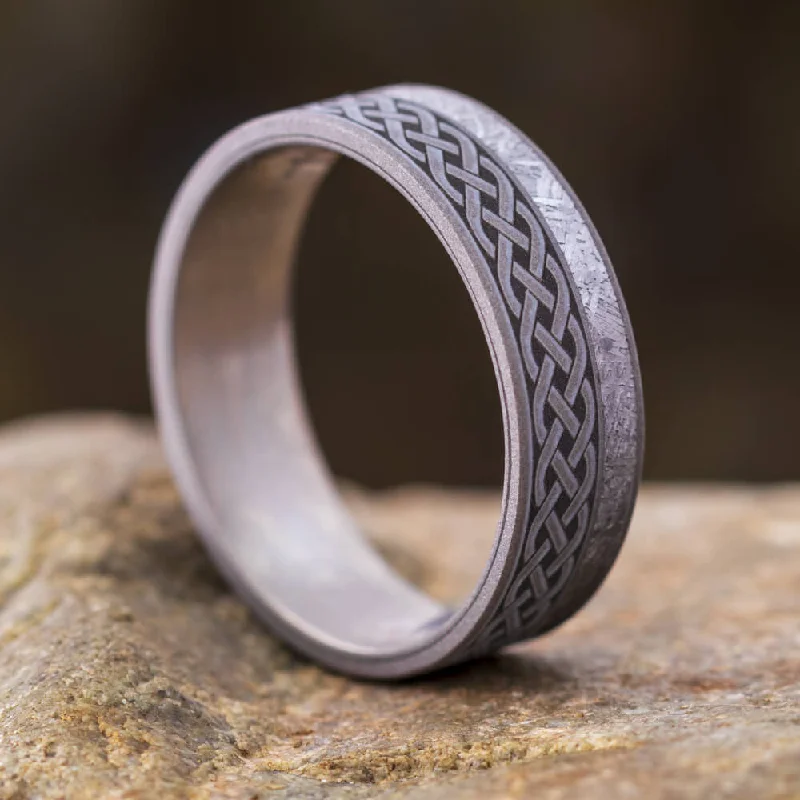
[546, 319]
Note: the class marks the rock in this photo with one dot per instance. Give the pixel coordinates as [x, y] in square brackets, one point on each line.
[128, 670]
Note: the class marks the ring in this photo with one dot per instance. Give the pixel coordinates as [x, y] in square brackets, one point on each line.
[232, 417]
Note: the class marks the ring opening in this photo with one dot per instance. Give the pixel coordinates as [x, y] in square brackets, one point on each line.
[280, 517]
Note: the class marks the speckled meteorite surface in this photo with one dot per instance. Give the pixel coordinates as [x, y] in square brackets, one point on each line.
[128, 670]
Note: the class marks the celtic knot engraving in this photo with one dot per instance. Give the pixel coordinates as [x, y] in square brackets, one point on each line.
[545, 316]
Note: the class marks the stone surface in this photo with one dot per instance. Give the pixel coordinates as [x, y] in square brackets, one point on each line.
[127, 669]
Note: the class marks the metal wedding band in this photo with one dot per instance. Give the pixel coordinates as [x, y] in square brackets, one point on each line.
[232, 416]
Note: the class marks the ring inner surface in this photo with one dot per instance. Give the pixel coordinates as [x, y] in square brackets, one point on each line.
[282, 525]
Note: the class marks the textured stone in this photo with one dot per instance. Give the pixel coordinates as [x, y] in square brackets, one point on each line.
[128, 670]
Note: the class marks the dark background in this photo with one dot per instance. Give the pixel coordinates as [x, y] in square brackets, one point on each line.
[677, 123]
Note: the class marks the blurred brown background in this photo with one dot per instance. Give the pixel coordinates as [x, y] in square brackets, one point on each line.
[677, 123]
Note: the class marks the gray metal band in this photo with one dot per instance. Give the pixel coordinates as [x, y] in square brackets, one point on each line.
[232, 416]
